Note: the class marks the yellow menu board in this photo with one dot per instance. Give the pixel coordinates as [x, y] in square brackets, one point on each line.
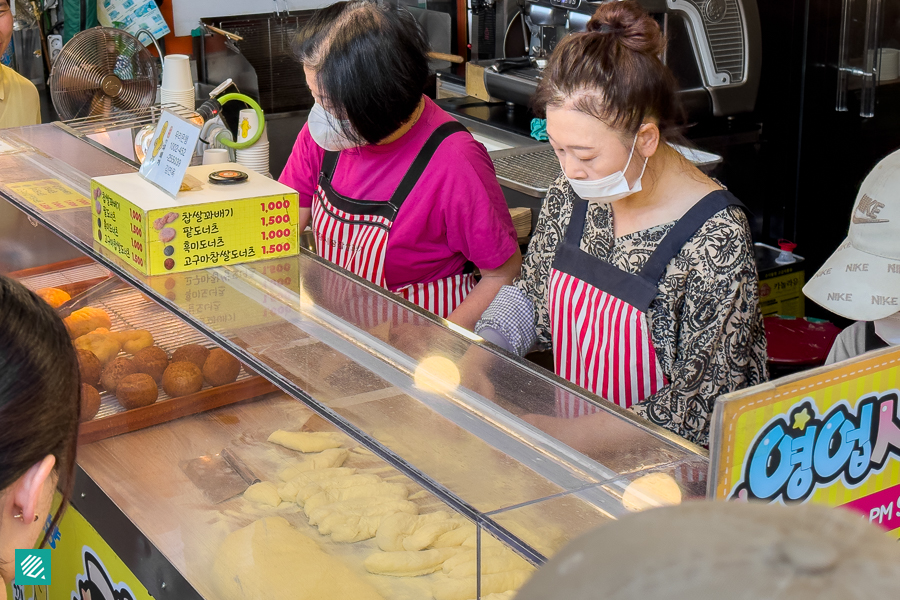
[49, 194]
[829, 437]
[213, 226]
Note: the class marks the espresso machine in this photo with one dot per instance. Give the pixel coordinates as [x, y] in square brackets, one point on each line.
[714, 48]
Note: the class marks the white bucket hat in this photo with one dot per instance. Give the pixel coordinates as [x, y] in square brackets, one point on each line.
[861, 280]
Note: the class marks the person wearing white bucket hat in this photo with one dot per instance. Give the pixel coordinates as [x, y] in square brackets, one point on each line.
[861, 280]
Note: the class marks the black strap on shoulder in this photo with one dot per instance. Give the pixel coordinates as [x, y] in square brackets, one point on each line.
[684, 229]
[422, 159]
[872, 341]
[577, 221]
[329, 164]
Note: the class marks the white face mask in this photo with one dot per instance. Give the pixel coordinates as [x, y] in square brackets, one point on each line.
[610, 188]
[326, 130]
[888, 329]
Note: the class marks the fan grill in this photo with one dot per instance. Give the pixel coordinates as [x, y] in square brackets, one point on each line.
[102, 71]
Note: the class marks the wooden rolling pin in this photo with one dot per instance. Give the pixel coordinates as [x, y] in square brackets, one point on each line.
[448, 57]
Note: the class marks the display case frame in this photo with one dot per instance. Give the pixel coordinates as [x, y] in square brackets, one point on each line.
[312, 306]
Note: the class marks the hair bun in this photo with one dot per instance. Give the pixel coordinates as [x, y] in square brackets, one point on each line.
[631, 26]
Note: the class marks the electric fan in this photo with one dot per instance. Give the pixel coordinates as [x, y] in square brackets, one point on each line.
[102, 71]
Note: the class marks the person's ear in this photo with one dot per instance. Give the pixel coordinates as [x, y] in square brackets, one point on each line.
[30, 488]
[648, 140]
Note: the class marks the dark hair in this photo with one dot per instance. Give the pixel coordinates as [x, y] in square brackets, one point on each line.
[371, 64]
[40, 390]
[613, 72]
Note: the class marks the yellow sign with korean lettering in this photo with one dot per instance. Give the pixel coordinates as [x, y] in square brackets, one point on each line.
[211, 226]
[49, 194]
[830, 437]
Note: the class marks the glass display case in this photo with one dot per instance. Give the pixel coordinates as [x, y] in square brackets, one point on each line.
[412, 402]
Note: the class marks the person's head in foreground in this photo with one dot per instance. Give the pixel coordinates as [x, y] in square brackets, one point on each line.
[39, 407]
[725, 550]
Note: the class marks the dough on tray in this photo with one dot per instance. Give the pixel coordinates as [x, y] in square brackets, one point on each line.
[427, 533]
[464, 589]
[334, 483]
[493, 560]
[364, 507]
[327, 459]
[307, 442]
[368, 491]
[270, 560]
[263, 492]
[290, 490]
[397, 527]
[406, 563]
[456, 537]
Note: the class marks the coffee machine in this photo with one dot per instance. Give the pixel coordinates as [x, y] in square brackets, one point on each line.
[714, 47]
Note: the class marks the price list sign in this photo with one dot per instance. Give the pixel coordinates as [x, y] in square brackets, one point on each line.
[170, 153]
[237, 231]
[49, 194]
[222, 224]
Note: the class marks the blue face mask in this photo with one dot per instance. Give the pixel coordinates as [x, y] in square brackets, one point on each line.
[327, 131]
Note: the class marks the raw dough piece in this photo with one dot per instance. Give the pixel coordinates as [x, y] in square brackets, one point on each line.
[306, 442]
[396, 528]
[333, 483]
[428, 533]
[270, 560]
[406, 563]
[493, 560]
[463, 589]
[368, 491]
[263, 492]
[487, 554]
[353, 528]
[456, 537]
[328, 459]
[364, 507]
[289, 490]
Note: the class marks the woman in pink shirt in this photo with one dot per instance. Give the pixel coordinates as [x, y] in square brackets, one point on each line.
[395, 189]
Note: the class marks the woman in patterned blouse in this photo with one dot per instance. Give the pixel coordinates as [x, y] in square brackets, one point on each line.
[640, 274]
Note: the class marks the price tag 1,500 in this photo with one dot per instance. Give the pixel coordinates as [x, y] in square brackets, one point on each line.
[170, 152]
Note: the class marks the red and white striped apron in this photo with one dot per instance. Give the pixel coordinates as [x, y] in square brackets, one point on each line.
[598, 313]
[354, 235]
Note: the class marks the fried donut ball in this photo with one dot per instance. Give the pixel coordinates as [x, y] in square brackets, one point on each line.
[89, 366]
[182, 378]
[137, 390]
[194, 353]
[115, 371]
[151, 360]
[90, 402]
[220, 368]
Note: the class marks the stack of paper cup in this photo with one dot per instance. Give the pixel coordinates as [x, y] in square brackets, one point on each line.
[215, 156]
[177, 84]
[255, 157]
[890, 64]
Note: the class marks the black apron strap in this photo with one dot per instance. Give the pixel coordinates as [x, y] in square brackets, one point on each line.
[421, 161]
[872, 341]
[683, 230]
[329, 164]
[577, 222]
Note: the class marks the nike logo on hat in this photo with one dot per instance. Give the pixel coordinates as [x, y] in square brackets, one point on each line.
[869, 208]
